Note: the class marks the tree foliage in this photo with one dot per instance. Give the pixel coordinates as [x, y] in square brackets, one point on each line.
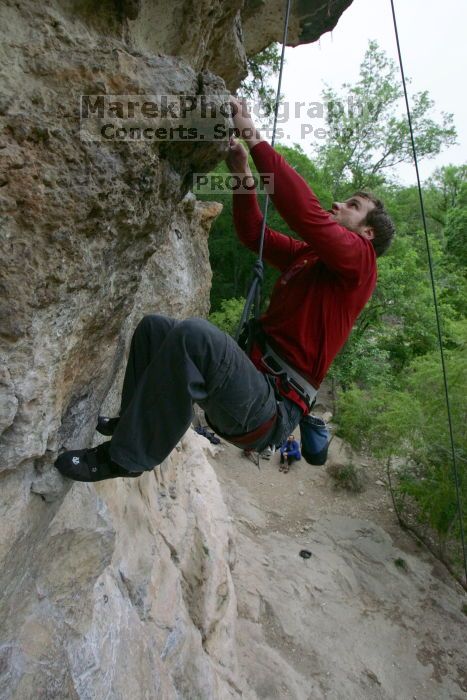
[263, 68]
[368, 133]
[227, 318]
[410, 426]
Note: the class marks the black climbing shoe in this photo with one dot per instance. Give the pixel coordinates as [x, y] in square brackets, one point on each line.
[106, 426]
[91, 465]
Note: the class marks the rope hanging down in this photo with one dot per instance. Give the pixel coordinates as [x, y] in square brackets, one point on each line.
[254, 291]
[435, 299]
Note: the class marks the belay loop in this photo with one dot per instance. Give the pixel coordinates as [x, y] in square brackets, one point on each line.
[244, 334]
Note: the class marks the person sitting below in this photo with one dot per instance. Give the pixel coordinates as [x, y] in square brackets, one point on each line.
[290, 451]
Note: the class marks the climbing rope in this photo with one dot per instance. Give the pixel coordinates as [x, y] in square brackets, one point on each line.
[254, 291]
[435, 300]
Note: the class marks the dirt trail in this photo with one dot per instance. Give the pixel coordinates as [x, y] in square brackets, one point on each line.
[347, 623]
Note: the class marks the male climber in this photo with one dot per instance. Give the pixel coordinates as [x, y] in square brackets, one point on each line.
[326, 279]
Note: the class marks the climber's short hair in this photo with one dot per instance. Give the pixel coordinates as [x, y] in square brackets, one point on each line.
[380, 222]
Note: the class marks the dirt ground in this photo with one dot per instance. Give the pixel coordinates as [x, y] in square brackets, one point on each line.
[370, 614]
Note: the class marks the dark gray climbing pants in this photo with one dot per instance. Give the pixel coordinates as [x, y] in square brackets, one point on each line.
[173, 364]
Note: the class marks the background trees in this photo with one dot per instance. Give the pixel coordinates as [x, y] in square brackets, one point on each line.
[368, 133]
[261, 68]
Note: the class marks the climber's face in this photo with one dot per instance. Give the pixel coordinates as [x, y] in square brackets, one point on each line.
[352, 214]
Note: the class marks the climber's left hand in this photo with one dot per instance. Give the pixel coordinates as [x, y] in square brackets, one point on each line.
[237, 157]
[243, 122]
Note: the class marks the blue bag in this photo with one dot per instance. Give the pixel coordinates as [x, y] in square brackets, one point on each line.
[315, 440]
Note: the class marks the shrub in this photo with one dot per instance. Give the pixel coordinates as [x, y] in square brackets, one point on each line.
[347, 477]
[228, 318]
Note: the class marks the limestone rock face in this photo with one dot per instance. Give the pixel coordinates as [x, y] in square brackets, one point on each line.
[263, 20]
[122, 589]
[119, 590]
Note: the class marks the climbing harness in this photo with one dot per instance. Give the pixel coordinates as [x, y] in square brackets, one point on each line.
[286, 378]
[247, 441]
[435, 299]
[276, 366]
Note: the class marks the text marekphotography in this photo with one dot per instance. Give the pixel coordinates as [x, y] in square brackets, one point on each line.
[159, 118]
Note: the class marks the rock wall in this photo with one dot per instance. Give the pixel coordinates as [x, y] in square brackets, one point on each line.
[121, 589]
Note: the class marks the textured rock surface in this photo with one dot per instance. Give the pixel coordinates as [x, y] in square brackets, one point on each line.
[116, 591]
[263, 20]
[122, 590]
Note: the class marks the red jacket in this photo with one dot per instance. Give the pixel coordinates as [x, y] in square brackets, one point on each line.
[327, 278]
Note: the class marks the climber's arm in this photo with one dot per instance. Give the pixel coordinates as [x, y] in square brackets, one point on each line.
[279, 249]
[339, 248]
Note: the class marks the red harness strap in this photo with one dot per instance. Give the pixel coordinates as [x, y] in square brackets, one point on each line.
[255, 356]
[246, 440]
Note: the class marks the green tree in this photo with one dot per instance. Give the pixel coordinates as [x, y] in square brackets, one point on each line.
[446, 204]
[409, 428]
[228, 316]
[444, 189]
[368, 133]
[263, 69]
[456, 229]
